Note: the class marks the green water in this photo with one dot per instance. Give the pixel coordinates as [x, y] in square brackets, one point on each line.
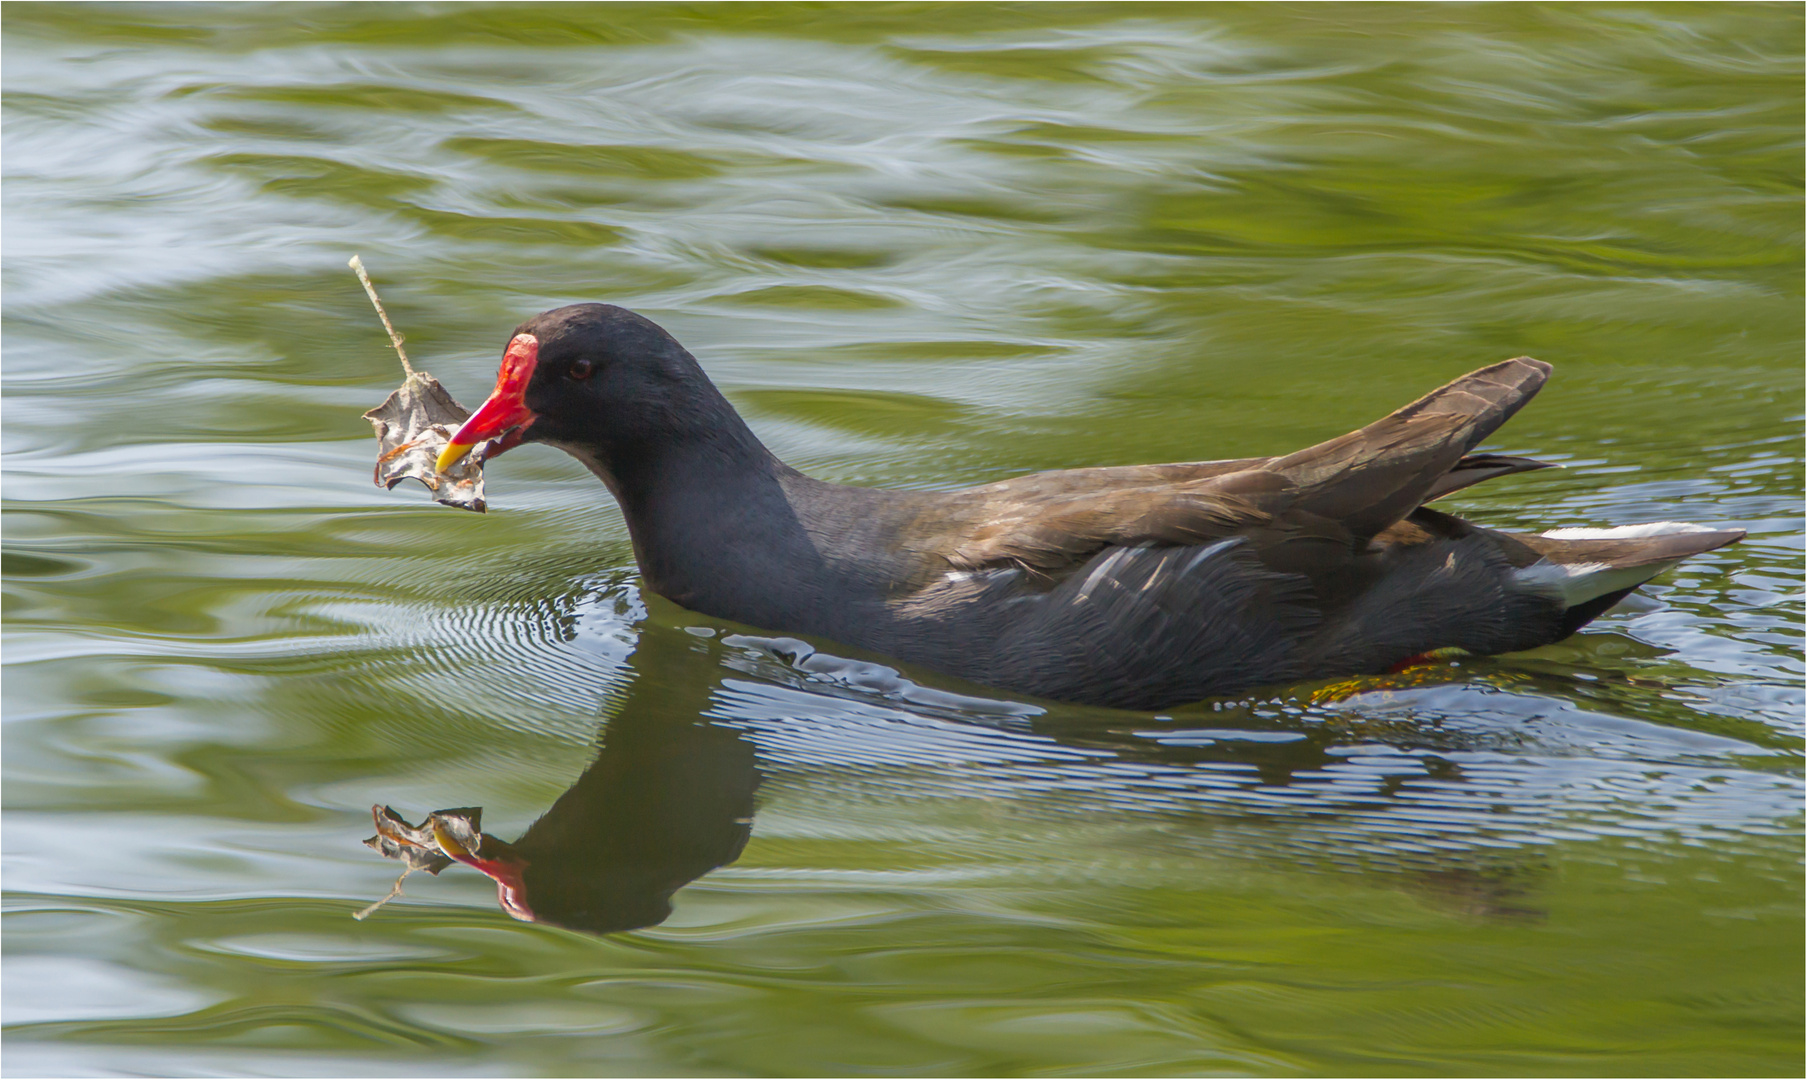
[917, 246]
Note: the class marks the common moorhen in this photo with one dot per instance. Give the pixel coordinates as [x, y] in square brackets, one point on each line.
[1139, 586]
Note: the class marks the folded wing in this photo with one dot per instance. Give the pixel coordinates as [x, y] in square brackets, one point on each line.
[1321, 502]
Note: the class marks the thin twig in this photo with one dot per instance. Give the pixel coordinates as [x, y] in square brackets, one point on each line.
[395, 890]
[395, 339]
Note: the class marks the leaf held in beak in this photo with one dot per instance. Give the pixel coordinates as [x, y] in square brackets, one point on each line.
[413, 428]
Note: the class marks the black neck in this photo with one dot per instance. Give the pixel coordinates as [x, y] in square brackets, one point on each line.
[709, 512]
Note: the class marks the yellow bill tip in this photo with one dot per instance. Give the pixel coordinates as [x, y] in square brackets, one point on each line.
[451, 455]
[449, 843]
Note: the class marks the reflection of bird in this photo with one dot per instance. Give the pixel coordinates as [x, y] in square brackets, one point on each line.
[1140, 586]
[668, 799]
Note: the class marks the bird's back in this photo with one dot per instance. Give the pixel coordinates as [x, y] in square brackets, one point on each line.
[1145, 586]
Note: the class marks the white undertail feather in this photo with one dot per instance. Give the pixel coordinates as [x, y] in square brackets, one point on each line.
[1577, 583]
[1627, 532]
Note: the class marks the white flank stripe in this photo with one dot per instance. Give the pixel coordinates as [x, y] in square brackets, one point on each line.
[1103, 568]
[1206, 553]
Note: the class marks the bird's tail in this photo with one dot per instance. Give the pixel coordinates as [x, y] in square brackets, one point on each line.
[1590, 570]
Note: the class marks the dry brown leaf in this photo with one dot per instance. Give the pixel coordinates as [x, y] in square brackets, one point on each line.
[412, 426]
[415, 423]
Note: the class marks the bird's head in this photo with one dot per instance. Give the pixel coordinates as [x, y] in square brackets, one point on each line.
[594, 379]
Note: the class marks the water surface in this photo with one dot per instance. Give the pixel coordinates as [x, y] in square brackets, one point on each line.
[919, 247]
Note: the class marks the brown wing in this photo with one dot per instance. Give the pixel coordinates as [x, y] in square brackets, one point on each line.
[1334, 496]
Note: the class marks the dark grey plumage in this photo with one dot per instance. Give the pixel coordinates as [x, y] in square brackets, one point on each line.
[1135, 586]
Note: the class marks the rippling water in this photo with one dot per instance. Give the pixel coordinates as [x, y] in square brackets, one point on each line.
[921, 247]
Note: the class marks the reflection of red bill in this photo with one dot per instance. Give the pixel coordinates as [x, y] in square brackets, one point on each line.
[449, 836]
[496, 860]
[505, 415]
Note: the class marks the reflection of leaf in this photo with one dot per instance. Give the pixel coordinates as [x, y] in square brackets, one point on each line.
[412, 427]
[424, 846]
[414, 845]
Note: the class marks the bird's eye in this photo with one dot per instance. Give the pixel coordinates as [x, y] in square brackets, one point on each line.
[581, 369]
